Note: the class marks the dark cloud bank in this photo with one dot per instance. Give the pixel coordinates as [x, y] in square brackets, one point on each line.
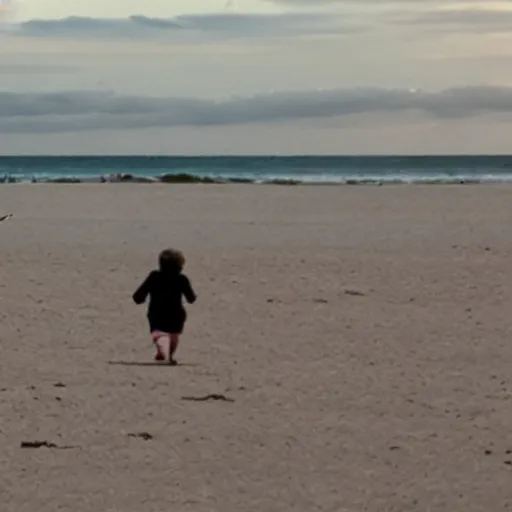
[68, 111]
[211, 25]
[424, 14]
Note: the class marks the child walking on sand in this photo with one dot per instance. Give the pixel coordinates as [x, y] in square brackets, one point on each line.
[166, 314]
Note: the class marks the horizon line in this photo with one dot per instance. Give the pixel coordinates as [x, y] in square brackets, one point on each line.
[261, 155]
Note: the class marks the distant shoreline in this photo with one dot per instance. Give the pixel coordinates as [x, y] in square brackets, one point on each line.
[269, 170]
[199, 180]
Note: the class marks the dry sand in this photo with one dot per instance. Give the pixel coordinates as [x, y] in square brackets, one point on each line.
[397, 399]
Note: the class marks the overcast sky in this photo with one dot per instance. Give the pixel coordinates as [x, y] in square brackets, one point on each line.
[255, 76]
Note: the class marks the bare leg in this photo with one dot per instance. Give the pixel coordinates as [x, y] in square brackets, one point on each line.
[160, 353]
[159, 356]
[174, 341]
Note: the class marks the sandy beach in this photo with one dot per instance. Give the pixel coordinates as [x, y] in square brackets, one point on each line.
[364, 335]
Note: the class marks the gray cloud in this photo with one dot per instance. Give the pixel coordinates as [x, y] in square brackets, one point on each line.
[440, 15]
[85, 110]
[35, 69]
[430, 15]
[191, 26]
[475, 20]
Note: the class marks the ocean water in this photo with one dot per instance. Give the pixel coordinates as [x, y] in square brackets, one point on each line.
[259, 169]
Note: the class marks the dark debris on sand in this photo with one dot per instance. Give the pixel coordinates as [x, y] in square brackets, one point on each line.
[44, 444]
[354, 293]
[142, 435]
[206, 398]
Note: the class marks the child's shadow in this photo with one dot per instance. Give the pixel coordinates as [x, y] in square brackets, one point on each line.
[154, 364]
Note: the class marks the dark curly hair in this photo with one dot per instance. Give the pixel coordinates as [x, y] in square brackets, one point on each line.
[171, 260]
